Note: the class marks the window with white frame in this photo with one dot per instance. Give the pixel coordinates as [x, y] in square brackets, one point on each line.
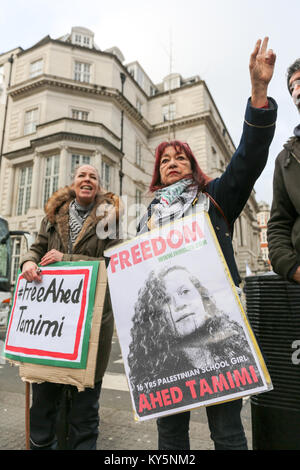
[50, 177]
[82, 40]
[86, 41]
[77, 160]
[77, 38]
[36, 68]
[169, 111]
[262, 219]
[106, 175]
[138, 153]
[82, 72]
[152, 90]
[15, 258]
[170, 83]
[31, 121]
[24, 190]
[263, 236]
[80, 115]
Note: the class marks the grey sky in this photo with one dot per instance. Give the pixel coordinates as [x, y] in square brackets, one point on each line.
[210, 38]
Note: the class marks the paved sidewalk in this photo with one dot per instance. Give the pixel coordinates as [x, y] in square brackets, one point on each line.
[118, 430]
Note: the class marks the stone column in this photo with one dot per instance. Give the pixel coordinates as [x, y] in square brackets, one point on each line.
[64, 167]
[9, 174]
[36, 184]
[98, 162]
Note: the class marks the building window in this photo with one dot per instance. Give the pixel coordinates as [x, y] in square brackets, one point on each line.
[82, 72]
[30, 121]
[262, 219]
[152, 90]
[138, 153]
[169, 112]
[139, 105]
[36, 68]
[137, 73]
[241, 231]
[51, 177]
[106, 172]
[86, 41]
[15, 258]
[78, 160]
[82, 40]
[24, 190]
[170, 83]
[77, 39]
[263, 236]
[80, 115]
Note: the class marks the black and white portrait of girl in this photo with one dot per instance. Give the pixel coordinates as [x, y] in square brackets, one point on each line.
[177, 326]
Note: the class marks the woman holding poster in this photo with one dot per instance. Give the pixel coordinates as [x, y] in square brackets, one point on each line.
[179, 185]
[75, 216]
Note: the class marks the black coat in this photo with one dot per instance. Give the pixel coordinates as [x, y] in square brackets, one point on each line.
[284, 223]
[232, 189]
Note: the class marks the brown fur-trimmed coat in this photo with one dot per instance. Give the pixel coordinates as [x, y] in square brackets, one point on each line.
[54, 234]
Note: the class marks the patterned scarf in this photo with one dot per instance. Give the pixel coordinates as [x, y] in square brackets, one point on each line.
[174, 200]
[77, 216]
[168, 194]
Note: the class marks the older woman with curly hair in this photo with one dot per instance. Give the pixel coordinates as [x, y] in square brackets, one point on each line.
[178, 185]
[70, 232]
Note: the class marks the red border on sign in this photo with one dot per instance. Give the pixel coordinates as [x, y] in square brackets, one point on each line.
[59, 355]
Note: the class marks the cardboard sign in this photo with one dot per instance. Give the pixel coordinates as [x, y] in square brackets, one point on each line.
[184, 336]
[54, 326]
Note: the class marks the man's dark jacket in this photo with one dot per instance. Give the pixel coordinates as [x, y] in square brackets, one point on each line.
[284, 223]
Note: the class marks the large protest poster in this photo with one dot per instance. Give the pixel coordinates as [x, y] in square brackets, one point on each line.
[184, 336]
[54, 326]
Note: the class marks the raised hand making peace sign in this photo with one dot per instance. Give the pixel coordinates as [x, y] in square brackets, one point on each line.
[262, 62]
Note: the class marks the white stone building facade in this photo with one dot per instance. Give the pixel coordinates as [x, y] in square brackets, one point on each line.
[263, 216]
[64, 102]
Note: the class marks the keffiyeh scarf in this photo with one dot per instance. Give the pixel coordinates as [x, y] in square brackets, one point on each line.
[77, 216]
[174, 200]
